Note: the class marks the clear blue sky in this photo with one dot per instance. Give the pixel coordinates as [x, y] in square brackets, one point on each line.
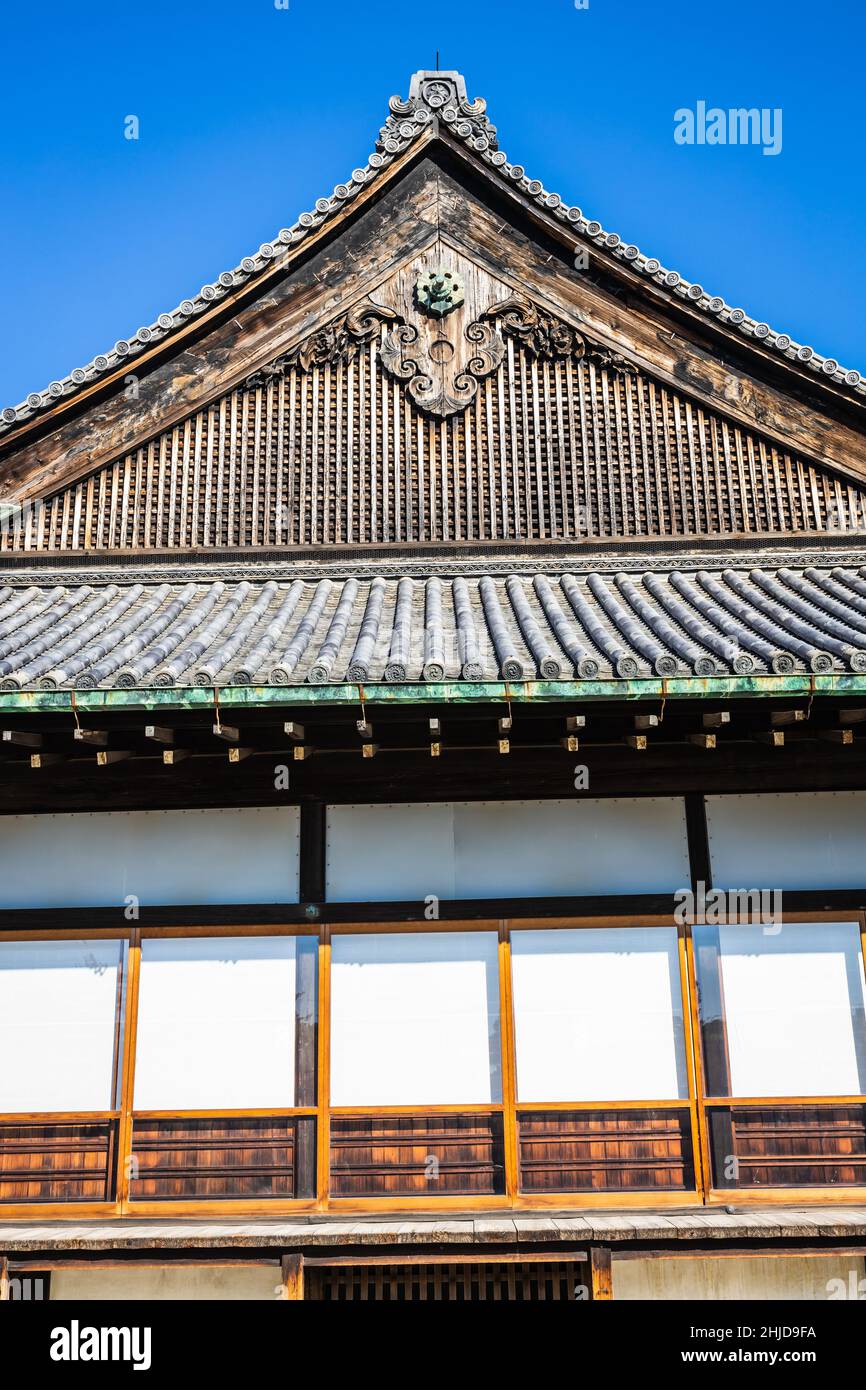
[248, 113]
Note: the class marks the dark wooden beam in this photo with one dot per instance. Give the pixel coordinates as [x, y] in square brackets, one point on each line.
[717, 719]
[698, 838]
[19, 738]
[706, 741]
[780, 718]
[773, 738]
[159, 733]
[312, 856]
[94, 738]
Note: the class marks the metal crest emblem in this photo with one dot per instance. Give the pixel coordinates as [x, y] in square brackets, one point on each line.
[438, 291]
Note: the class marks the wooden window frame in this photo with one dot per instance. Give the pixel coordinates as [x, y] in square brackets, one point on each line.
[707, 1102]
[697, 1104]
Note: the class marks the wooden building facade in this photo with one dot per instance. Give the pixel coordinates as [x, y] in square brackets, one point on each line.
[432, 777]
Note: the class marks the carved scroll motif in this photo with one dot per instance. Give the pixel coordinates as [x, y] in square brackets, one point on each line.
[548, 338]
[437, 383]
[340, 341]
[441, 374]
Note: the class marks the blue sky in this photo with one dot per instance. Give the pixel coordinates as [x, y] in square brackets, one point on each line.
[249, 112]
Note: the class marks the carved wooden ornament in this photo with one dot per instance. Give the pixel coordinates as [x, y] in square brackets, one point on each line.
[442, 330]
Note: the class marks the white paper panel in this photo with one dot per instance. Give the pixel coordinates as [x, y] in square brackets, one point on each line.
[598, 1015]
[497, 849]
[216, 1024]
[794, 1008]
[58, 1003]
[788, 840]
[415, 1019]
[98, 859]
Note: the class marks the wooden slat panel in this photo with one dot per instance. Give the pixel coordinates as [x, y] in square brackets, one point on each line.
[547, 451]
[221, 1158]
[789, 1146]
[416, 1155]
[520, 1282]
[605, 1151]
[64, 1161]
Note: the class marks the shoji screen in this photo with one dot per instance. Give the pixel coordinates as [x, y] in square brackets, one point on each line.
[793, 1009]
[60, 1003]
[415, 1019]
[506, 849]
[217, 1022]
[598, 1015]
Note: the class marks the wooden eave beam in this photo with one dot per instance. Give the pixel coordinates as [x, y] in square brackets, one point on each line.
[780, 718]
[91, 738]
[159, 733]
[20, 738]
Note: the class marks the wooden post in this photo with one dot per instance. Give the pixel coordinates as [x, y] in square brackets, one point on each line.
[323, 1077]
[4, 1279]
[600, 1274]
[293, 1277]
[508, 1066]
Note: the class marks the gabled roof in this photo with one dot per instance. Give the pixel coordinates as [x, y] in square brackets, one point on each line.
[437, 107]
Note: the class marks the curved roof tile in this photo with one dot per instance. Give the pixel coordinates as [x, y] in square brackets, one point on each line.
[659, 621]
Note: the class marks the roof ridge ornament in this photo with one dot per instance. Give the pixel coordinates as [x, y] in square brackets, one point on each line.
[434, 95]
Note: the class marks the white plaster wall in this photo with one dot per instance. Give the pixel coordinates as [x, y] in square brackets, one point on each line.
[98, 859]
[498, 849]
[154, 1283]
[785, 1277]
[787, 839]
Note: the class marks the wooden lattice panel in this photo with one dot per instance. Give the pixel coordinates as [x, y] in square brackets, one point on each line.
[340, 455]
[605, 1151]
[529, 1282]
[789, 1146]
[61, 1161]
[222, 1158]
[416, 1155]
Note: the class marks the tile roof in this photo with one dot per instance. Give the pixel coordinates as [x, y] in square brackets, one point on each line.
[701, 1224]
[433, 96]
[642, 622]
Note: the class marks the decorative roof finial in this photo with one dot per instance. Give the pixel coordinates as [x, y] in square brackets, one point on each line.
[439, 95]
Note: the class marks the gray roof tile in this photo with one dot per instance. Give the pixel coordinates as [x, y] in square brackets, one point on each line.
[659, 621]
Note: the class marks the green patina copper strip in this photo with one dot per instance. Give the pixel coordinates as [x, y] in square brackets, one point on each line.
[446, 692]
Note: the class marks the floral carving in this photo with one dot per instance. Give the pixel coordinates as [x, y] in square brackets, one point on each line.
[340, 341]
[548, 338]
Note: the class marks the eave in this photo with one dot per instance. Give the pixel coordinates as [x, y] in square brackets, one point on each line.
[431, 693]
